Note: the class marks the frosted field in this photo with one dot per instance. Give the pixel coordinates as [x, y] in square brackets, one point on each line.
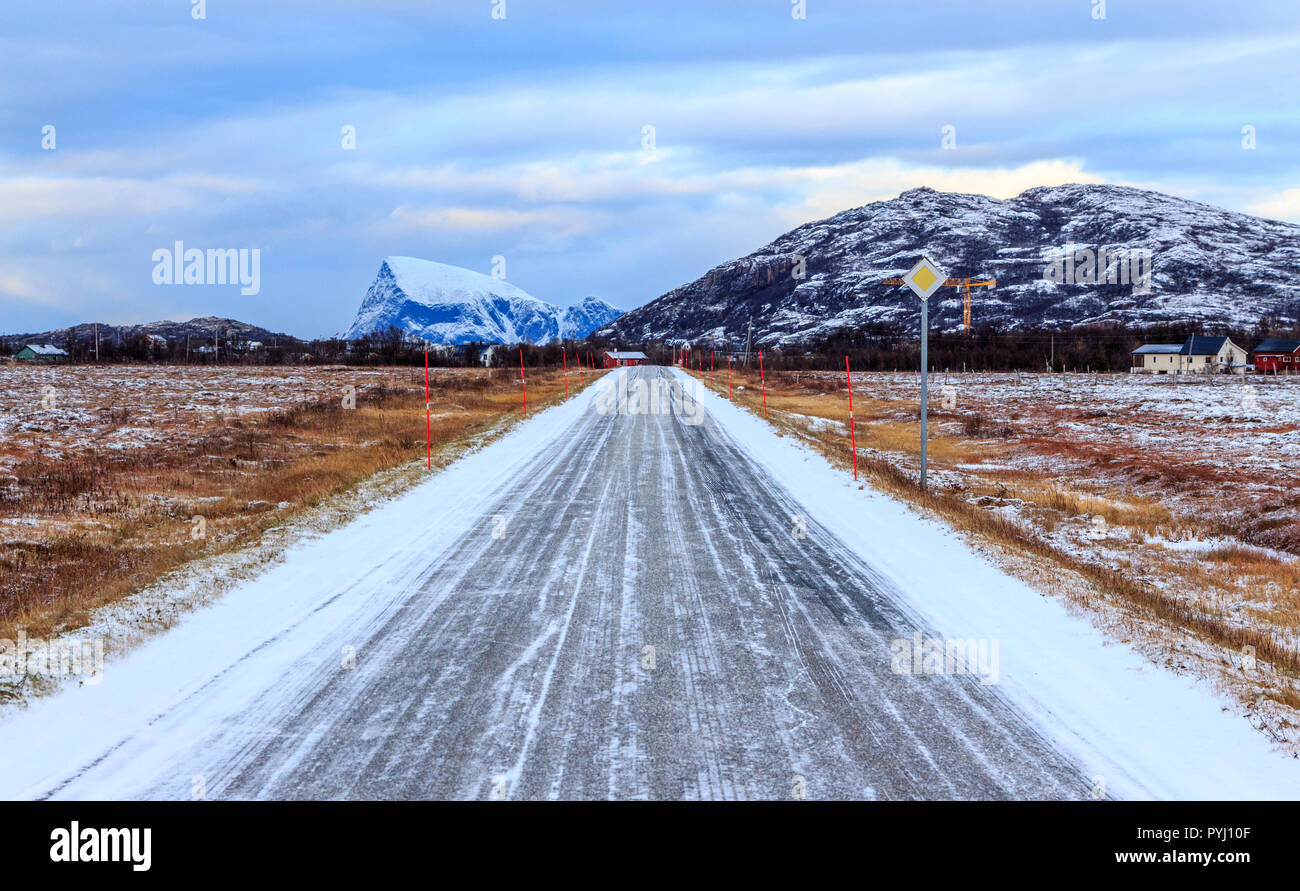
[69, 411]
[1257, 418]
[1180, 440]
[102, 469]
[65, 408]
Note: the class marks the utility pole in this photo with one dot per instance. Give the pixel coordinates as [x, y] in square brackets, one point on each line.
[749, 337]
[96, 343]
[1051, 363]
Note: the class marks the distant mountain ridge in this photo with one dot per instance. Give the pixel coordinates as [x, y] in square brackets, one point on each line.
[1208, 266]
[199, 330]
[449, 305]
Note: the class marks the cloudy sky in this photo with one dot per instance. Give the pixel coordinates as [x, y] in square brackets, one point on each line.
[610, 148]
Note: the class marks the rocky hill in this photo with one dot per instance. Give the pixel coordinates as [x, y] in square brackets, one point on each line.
[1203, 264]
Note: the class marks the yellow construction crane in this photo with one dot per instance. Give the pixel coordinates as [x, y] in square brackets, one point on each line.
[962, 284]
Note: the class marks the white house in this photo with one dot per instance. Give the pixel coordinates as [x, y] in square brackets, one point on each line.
[1157, 358]
[1196, 355]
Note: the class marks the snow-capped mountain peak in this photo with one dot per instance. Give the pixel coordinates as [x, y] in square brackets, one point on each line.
[449, 304]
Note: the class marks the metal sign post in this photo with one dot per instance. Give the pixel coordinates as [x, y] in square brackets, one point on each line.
[925, 383]
[924, 279]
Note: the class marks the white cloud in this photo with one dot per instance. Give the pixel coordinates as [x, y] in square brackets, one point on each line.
[484, 219]
[829, 190]
[20, 288]
[76, 198]
[1284, 206]
[820, 191]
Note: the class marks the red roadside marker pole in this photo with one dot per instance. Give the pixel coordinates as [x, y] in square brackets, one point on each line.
[763, 378]
[565, 356]
[522, 382]
[853, 439]
[428, 418]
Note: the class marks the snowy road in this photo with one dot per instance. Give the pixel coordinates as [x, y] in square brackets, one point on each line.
[614, 606]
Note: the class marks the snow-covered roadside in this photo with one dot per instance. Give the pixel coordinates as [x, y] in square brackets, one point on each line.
[266, 624]
[1147, 732]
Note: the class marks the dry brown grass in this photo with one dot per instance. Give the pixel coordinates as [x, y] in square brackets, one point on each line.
[877, 428]
[1143, 514]
[89, 526]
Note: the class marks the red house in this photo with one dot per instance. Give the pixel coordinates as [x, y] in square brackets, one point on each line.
[615, 359]
[1278, 355]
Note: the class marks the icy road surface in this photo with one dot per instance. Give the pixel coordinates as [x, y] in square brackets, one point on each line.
[598, 606]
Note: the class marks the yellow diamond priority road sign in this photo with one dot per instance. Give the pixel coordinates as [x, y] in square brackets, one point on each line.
[925, 278]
